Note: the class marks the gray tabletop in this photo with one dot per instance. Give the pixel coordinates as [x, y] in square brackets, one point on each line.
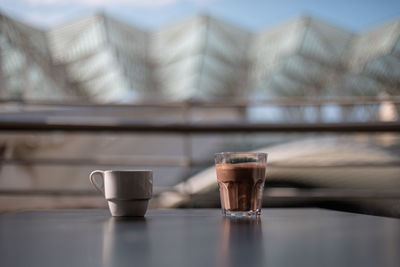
[281, 237]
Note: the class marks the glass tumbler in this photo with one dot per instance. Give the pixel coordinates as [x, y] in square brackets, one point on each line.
[241, 178]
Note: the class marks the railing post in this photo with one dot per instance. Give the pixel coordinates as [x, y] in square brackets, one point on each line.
[187, 145]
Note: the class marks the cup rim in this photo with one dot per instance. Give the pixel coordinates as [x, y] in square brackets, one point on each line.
[248, 153]
[127, 170]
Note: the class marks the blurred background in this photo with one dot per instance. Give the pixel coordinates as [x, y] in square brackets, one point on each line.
[165, 84]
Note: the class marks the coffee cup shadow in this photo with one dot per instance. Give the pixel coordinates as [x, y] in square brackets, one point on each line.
[126, 241]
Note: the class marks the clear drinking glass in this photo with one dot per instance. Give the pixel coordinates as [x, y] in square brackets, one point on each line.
[241, 178]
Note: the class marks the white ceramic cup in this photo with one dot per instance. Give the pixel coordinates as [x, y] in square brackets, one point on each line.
[127, 192]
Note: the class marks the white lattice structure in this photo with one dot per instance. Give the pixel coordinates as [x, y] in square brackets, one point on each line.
[104, 60]
[26, 68]
[200, 58]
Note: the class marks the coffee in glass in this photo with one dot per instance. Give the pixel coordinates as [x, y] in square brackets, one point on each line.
[241, 178]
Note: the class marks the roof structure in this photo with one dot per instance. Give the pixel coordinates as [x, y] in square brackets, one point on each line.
[100, 59]
[27, 70]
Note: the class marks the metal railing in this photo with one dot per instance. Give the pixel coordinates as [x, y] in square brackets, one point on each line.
[25, 124]
[286, 101]
[116, 126]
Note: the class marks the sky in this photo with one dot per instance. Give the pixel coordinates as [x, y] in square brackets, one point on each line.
[255, 15]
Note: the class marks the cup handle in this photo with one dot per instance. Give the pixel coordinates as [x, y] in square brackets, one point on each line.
[98, 185]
